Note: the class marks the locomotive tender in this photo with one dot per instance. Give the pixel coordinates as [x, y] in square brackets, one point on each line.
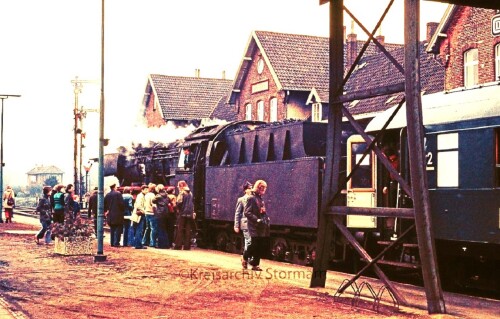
[462, 140]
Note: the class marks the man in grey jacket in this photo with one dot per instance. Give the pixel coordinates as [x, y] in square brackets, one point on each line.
[185, 218]
[240, 221]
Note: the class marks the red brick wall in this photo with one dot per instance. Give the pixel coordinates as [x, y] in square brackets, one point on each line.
[153, 116]
[470, 28]
[246, 95]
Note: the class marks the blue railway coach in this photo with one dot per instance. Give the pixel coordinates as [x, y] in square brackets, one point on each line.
[462, 145]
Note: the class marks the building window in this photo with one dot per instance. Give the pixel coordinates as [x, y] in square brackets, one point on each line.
[316, 112]
[260, 111]
[447, 160]
[273, 110]
[248, 111]
[471, 63]
[497, 156]
[497, 62]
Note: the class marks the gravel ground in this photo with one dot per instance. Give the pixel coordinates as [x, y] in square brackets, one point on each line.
[155, 283]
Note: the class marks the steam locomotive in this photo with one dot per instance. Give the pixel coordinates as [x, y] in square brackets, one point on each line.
[462, 143]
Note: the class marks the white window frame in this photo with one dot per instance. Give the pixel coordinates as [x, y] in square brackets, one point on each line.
[447, 160]
[316, 112]
[471, 67]
[497, 62]
[248, 111]
[260, 110]
[273, 110]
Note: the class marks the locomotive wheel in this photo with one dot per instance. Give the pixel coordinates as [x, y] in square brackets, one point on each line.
[222, 241]
[279, 249]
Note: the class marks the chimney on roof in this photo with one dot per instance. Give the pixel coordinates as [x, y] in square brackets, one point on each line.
[197, 73]
[223, 74]
[431, 29]
[380, 38]
[352, 46]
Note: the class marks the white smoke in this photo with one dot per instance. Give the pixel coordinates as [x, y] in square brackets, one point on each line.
[147, 136]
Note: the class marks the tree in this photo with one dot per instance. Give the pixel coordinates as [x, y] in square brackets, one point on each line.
[35, 190]
[51, 181]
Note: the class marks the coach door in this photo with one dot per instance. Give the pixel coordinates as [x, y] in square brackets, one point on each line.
[362, 184]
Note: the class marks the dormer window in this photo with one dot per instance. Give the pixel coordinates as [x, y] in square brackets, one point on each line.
[471, 64]
[316, 113]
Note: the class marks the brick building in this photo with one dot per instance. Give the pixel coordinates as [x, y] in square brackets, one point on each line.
[185, 100]
[279, 71]
[467, 42]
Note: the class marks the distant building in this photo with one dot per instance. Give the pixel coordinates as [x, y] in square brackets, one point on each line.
[39, 174]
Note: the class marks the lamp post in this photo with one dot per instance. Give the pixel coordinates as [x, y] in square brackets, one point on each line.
[100, 193]
[3, 97]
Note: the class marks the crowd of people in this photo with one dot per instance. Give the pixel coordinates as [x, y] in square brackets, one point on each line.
[155, 218]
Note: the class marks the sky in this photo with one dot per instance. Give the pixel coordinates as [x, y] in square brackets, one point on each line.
[45, 44]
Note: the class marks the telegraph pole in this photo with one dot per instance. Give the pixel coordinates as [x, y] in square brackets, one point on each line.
[78, 135]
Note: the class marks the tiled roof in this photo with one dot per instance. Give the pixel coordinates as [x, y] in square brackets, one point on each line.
[188, 98]
[45, 170]
[377, 71]
[302, 62]
[224, 111]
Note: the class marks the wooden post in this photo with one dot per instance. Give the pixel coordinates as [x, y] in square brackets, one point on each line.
[430, 273]
[333, 148]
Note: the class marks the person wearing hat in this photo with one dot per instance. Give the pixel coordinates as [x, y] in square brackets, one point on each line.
[240, 221]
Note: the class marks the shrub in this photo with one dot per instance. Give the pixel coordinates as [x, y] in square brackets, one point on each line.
[74, 225]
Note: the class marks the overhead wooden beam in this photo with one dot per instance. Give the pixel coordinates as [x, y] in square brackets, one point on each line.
[369, 93]
[488, 4]
[373, 211]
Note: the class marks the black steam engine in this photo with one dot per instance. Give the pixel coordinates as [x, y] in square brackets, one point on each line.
[463, 165]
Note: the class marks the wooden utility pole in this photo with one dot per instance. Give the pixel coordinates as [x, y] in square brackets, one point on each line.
[333, 147]
[414, 121]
